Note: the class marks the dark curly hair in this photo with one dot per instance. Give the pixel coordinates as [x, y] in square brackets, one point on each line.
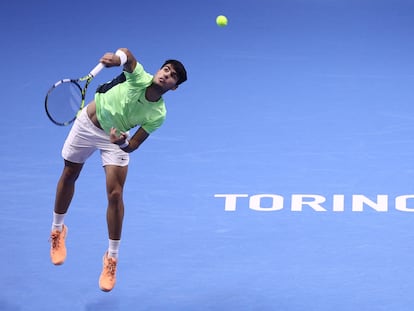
[179, 68]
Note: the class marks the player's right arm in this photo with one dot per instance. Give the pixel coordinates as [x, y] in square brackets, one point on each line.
[111, 60]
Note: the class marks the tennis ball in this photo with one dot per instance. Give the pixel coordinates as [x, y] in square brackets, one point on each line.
[221, 20]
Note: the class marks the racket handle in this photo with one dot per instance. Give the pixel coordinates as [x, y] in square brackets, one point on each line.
[96, 70]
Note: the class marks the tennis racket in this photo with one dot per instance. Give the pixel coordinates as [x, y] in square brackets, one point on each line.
[66, 98]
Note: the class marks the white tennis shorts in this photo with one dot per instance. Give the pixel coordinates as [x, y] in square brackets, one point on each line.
[85, 138]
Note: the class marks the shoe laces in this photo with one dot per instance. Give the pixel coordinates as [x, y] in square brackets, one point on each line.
[54, 239]
[110, 266]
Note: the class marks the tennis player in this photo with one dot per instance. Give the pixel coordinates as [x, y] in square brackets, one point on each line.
[133, 99]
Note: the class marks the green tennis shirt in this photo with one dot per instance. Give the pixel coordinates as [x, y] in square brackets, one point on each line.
[121, 103]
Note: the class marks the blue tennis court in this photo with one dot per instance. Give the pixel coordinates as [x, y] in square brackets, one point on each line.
[283, 178]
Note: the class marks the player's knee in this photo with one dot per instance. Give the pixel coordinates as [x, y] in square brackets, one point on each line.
[115, 196]
[71, 171]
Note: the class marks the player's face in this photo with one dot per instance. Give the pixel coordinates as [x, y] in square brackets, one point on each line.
[166, 78]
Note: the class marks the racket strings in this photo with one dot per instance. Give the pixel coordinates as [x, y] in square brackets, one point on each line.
[63, 102]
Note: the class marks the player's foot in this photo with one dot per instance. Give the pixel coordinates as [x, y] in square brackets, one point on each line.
[108, 276]
[57, 245]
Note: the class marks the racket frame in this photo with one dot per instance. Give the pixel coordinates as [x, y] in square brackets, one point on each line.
[88, 78]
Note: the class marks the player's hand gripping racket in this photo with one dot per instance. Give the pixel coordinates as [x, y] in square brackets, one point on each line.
[66, 98]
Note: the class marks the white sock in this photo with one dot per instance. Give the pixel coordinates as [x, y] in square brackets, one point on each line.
[58, 221]
[113, 248]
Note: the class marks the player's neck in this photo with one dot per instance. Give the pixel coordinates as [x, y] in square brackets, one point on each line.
[153, 94]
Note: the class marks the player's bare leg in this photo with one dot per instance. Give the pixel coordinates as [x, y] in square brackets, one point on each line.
[115, 180]
[66, 186]
[64, 194]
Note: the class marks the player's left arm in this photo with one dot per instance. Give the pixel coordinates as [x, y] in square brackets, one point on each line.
[131, 144]
[136, 140]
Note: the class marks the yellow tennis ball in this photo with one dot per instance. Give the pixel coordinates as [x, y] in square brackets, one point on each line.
[221, 20]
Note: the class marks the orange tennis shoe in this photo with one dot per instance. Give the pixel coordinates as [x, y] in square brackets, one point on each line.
[57, 245]
[108, 276]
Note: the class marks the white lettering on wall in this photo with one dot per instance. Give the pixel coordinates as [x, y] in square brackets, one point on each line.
[317, 202]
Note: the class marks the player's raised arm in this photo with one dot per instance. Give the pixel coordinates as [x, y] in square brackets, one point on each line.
[122, 57]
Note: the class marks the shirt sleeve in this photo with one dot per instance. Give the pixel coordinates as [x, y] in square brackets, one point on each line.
[139, 77]
[150, 127]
